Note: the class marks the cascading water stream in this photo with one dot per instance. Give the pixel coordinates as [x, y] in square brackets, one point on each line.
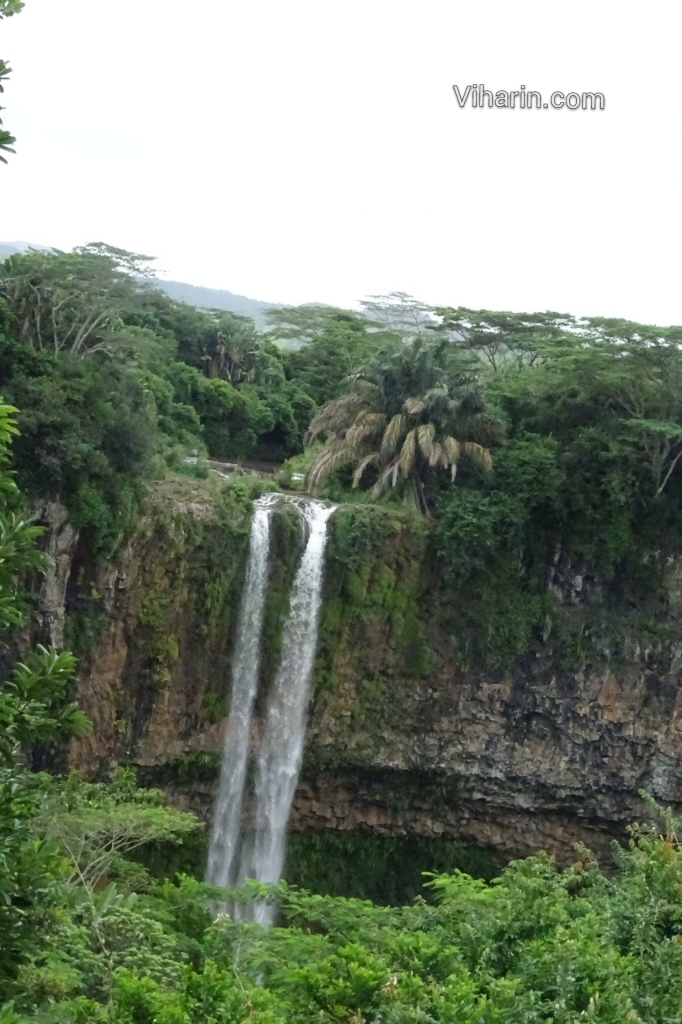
[226, 820]
[281, 752]
[281, 748]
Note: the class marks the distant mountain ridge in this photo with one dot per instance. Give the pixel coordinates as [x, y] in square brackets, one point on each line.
[217, 298]
[192, 294]
[10, 248]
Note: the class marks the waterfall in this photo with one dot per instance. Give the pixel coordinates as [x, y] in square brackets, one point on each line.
[281, 746]
[281, 750]
[246, 664]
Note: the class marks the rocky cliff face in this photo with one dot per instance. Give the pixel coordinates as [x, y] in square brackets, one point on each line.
[406, 735]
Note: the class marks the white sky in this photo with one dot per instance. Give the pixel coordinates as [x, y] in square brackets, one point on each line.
[313, 150]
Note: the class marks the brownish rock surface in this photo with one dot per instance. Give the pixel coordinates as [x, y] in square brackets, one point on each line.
[530, 758]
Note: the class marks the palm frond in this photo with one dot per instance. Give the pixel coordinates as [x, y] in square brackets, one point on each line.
[408, 452]
[413, 406]
[451, 447]
[368, 460]
[481, 426]
[335, 454]
[362, 383]
[367, 424]
[335, 416]
[436, 454]
[478, 453]
[435, 395]
[390, 473]
[425, 436]
[393, 433]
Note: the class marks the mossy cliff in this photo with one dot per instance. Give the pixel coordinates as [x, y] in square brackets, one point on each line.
[538, 734]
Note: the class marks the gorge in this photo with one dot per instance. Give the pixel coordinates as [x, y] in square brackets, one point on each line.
[408, 735]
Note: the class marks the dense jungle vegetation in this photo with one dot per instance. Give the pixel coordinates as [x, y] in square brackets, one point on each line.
[517, 441]
[525, 442]
[554, 433]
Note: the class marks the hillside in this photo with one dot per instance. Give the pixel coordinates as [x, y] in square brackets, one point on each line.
[216, 298]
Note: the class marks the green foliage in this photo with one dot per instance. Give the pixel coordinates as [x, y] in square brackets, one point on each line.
[97, 824]
[71, 302]
[197, 470]
[10, 7]
[116, 383]
[7, 9]
[356, 532]
[232, 377]
[87, 436]
[407, 413]
[492, 559]
[7, 140]
[325, 345]
[286, 541]
[195, 766]
[293, 472]
[33, 709]
[372, 629]
[89, 935]
[538, 944]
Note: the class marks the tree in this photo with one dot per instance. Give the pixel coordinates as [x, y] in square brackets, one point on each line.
[89, 434]
[405, 415]
[70, 302]
[295, 326]
[503, 340]
[236, 353]
[330, 344]
[98, 824]
[401, 313]
[622, 377]
[639, 371]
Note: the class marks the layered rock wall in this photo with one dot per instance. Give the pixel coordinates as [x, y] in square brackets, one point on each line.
[406, 735]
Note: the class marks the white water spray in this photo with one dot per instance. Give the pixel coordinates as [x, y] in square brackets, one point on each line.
[281, 752]
[246, 665]
[281, 748]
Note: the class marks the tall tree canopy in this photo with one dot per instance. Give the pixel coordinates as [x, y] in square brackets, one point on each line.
[324, 345]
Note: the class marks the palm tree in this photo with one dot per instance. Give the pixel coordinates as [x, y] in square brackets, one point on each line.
[405, 415]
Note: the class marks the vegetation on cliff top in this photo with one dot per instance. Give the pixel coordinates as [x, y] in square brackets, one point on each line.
[406, 413]
[580, 419]
[566, 433]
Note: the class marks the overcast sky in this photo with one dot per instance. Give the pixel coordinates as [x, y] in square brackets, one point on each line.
[313, 150]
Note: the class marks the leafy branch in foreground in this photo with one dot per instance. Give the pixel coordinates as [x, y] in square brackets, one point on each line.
[7, 140]
[32, 708]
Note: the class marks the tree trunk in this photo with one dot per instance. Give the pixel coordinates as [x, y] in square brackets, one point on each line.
[418, 495]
